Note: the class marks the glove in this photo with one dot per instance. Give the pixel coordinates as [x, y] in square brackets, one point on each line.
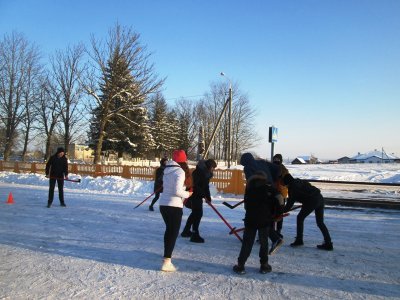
[208, 200]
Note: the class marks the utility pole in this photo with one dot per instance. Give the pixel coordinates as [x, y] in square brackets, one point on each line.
[229, 155]
[230, 127]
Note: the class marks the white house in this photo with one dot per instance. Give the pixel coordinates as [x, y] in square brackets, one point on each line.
[374, 157]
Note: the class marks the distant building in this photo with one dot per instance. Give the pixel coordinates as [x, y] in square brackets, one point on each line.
[374, 157]
[306, 160]
[344, 160]
[298, 161]
[76, 152]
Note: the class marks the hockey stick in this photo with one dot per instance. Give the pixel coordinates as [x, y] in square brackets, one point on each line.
[147, 198]
[223, 219]
[276, 218]
[65, 179]
[295, 207]
[232, 206]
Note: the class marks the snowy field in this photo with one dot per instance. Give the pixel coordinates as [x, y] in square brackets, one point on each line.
[100, 247]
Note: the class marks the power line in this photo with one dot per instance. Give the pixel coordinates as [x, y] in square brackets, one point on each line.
[194, 96]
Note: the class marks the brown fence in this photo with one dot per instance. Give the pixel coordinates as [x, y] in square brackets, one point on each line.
[226, 181]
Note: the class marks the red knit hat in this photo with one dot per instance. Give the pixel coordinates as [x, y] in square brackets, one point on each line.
[179, 156]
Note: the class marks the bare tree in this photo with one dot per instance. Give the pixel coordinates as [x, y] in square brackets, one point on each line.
[30, 96]
[67, 70]
[48, 112]
[209, 111]
[17, 58]
[187, 130]
[122, 43]
[243, 135]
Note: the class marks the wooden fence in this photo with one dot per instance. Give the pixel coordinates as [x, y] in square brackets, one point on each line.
[226, 181]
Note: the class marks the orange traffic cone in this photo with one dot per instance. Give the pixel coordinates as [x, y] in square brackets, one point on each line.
[10, 199]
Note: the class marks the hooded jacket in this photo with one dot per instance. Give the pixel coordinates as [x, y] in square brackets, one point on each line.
[174, 190]
[57, 166]
[251, 166]
[201, 180]
[302, 191]
[260, 202]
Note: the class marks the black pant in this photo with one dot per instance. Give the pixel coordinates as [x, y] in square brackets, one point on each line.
[155, 199]
[60, 184]
[249, 236]
[195, 216]
[172, 218]
[319, 218]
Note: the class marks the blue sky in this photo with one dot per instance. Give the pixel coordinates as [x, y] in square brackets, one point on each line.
[326, 73]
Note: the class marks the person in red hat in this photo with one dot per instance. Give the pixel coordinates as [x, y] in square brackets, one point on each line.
[171, 203]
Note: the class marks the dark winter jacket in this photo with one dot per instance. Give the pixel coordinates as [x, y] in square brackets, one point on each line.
[158, 181]
[57, 167]
[252, 165]
[201, 181]
[302, 191]
[260, 202]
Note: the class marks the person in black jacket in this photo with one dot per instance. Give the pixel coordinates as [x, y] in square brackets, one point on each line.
[261, 200]
[201, 189]
[57, 170]
[312, 200]
[158, 182]
[272, 173]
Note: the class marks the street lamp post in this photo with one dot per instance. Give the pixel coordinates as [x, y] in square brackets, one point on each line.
[229, 120]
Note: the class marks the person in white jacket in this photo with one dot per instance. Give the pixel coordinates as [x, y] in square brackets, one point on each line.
[171, 204]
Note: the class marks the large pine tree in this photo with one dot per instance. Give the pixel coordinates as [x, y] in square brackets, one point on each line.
[119, 120]
[126, 129]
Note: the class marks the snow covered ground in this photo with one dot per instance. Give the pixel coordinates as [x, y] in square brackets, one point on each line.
[100, 247]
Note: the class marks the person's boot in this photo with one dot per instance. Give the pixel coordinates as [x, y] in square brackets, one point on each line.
[196, 238]
[239, 269]
[167, 265]
[265, 268]
[151, 208]
[326, 246]
[297, 242]
[186, 233]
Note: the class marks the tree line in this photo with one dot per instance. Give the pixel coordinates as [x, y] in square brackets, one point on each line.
[109, 97]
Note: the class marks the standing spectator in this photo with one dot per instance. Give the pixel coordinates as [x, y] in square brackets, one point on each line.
[260, 203]
[282, 189]
[57, 170]
[310, 196]
[272, 172]
[158, 182]
[201, 189]
[171, 204]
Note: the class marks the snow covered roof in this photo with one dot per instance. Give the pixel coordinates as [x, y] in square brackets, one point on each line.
[376, 153]
[304, 157]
